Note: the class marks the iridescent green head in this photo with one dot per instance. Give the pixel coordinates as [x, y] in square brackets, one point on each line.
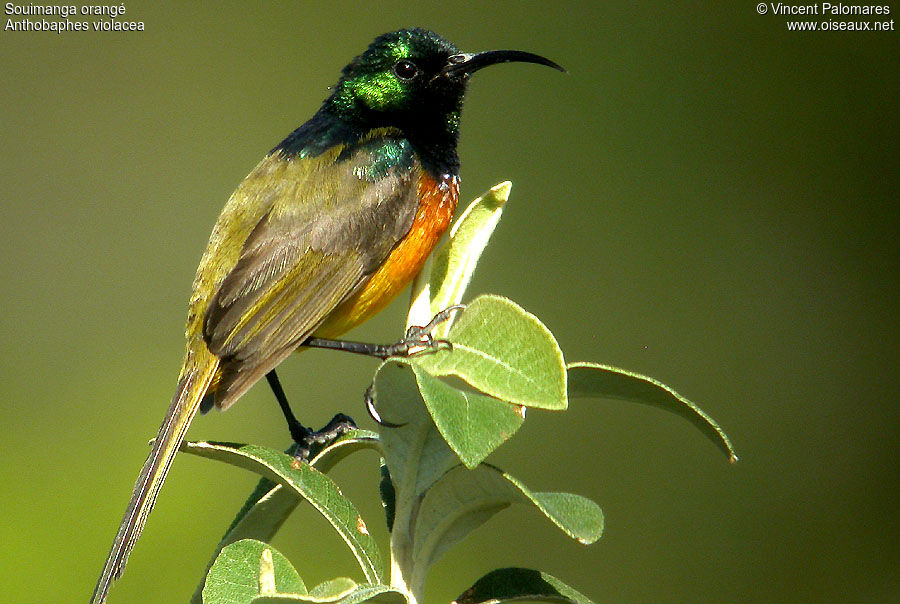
[394, 74]
[414, 80]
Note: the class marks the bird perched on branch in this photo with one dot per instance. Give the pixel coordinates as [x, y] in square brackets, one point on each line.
[324, 232]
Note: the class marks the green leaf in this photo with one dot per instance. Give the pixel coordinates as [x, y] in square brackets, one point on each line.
[311, 485]
[333, 589]
[384, 594]
[415, 452]
[603, 381]
[454, 263]
[505, 352]
[416, 455]
[265, 511]
[438, 502]
[519, 584]
[270, 504]
[344, 446]
[250, 571]
[246, 569]
[463, 499]
[472, 424]
[340, 593]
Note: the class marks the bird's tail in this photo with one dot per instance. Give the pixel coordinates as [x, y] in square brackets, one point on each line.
[192, 385]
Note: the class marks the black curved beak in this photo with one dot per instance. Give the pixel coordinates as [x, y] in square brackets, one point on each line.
[466, 63]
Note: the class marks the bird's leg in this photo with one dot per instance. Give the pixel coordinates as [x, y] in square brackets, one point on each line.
[417, 336]
[298, 431]
[303, 436]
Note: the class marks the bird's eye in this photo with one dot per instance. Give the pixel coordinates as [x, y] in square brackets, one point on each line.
[406, 70]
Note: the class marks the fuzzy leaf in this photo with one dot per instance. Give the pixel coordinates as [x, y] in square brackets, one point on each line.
[339, 591]
[472, 424]
[270, 503]
[246, 569]
[251, 572]
[462, 500]
[505, 352]
[604, 381]
[308, 483]
[415, 452]
[506, 584]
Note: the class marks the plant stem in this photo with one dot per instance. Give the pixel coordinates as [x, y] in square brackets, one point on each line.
[403, 576]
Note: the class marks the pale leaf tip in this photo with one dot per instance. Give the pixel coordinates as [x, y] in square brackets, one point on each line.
[501, 191]
[266, 573]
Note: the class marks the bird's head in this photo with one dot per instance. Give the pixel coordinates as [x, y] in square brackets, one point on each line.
[413, 79]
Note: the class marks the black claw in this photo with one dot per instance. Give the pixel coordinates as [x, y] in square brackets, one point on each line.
[299, 433]
[420, 336]
[301, 452]
[373, 412]
[339, 425]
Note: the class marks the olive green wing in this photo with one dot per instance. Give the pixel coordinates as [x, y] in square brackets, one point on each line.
[327, 230]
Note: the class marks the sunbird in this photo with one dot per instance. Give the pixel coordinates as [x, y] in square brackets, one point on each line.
[325, 231]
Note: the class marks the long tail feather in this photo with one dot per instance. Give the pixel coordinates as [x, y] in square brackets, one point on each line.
[191, 388]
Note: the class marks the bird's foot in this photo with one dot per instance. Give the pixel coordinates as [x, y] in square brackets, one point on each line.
[309, 442]
[418, 338]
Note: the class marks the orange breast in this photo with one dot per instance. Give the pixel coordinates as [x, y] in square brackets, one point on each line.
[437, 203]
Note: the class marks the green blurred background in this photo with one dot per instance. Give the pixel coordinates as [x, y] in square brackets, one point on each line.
[706, 198]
